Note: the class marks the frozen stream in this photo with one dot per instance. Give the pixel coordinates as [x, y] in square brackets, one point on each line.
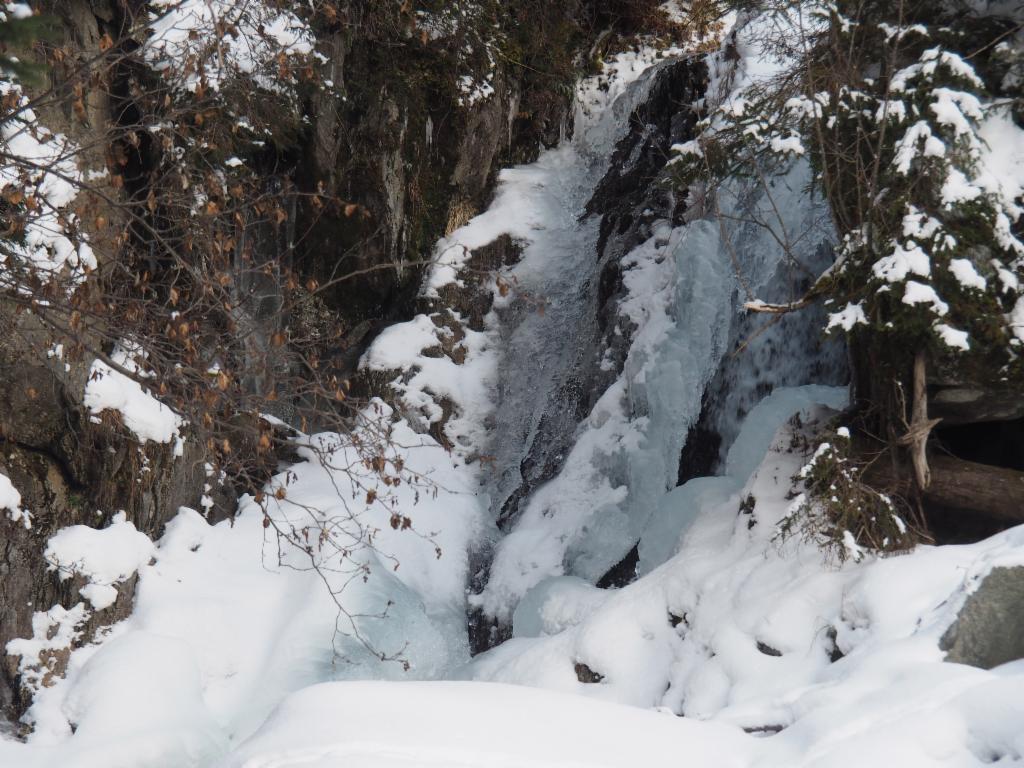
[587, 423]
[240, 655]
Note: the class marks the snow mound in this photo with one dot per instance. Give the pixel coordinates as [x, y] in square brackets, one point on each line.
[230, 619]
[10, 500]
[425, 380]
[473, 725]
[842, 663]
[104, 556]
[143, 414]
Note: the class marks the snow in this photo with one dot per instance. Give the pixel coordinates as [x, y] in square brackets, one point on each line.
[10, 500]
[143, 414]
[907, 147]
[103, 556]
[953, 108]
[473, 725]
[891, 109]
[1016, 319]
[899, 32]
[1002, 171]
[555, 604]
[474, 91]
[906, 259]
[919, 293]
[733, 586]
[848, 317]
[424, 380]
[953, 337]
[957, 188]
[16, 10]
[787, 145]
[965, 273]
[920, 226]
[229, 620]
[926, 67]
[169, 721]
[953, 62]
[53, 630]
[691, 147]
[679, 507]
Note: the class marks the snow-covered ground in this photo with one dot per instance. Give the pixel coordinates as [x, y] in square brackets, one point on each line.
[228, 619]
[733, 648]
[475, 725]
[772, 657]
[740, 627]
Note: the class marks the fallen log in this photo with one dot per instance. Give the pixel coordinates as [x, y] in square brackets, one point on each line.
[960, 486]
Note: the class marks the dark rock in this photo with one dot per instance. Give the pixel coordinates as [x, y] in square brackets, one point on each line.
[748, 507]
[634, 194]
[834, 653]
[989, 630]
[549, 447]
[473, 299]
[995, 443]
[764, 730]
[968, 404]
[767, 650]
[623, 572]
[485, 633]
[586, 675]
[663, 119]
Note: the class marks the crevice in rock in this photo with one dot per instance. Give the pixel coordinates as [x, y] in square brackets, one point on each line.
[623, 572]
[701, 452]
[994, 443]
[53, 458]
[767, 650]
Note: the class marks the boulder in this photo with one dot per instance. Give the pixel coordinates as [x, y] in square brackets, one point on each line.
[989, 630]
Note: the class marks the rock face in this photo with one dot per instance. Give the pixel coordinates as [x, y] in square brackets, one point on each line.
[70, 470]
[990, 628]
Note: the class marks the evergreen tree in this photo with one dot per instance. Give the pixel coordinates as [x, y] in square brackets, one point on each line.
[19, 30]
[908, 112]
